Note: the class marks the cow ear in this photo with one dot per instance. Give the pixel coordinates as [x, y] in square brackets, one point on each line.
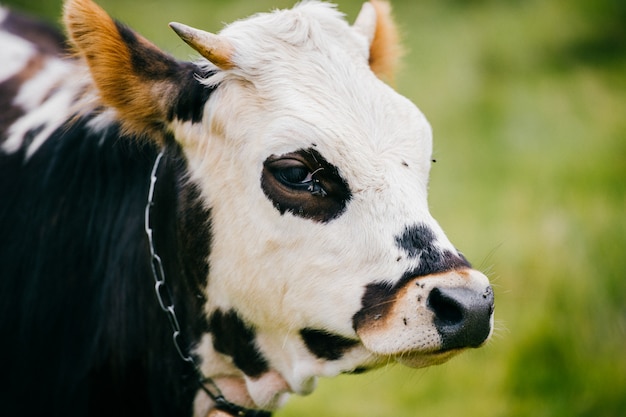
[376, 23]
[132, 75]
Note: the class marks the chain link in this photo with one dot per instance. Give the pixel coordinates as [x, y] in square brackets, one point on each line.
[166, 302]
[162, 291]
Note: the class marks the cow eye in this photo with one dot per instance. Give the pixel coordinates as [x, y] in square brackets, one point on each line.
[294, 177]
[292, 173]
[305, 184]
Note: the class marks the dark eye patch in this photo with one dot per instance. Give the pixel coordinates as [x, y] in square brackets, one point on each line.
[306, 185]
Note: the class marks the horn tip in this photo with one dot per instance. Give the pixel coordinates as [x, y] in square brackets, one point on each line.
[180, 29]
[210, 46]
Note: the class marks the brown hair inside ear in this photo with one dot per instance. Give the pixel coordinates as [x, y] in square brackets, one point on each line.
[130, 73]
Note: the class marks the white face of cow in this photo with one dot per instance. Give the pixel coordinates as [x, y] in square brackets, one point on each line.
[317, 172]
[324, 258]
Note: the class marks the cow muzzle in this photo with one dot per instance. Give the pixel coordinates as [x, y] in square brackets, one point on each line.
[427, 320]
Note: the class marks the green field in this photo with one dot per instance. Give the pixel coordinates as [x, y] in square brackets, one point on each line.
[527, 99]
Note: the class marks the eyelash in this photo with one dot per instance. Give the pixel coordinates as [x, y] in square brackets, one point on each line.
[308, 183]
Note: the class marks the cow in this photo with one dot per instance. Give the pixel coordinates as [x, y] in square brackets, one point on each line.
[209, 237]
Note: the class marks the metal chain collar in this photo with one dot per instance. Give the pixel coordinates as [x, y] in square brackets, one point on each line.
[166, 302]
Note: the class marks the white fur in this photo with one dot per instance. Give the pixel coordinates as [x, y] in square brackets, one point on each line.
[301, 78]
[34, 91]
[48, 99]
[15, 53]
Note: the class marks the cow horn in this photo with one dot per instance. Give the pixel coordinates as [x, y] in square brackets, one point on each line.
[213, 47]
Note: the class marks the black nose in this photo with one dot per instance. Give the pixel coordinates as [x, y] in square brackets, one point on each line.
[462, 315]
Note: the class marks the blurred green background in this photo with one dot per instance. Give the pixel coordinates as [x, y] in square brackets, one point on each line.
[527, 99]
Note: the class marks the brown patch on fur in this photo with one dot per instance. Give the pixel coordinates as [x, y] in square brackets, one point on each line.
[217, 127]
[131, 74]
[385, 50]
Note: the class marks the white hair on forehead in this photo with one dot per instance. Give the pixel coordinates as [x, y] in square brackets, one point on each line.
[302, 76]
[285, 38]
[296, 26]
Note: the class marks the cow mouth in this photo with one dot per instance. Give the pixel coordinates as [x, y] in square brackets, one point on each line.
[410, 359]
[424, 359]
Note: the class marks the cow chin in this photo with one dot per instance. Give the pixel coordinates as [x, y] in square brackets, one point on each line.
[422, 360]
[269, 392]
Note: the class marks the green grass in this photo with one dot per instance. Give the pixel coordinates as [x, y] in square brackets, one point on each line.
[527, 99]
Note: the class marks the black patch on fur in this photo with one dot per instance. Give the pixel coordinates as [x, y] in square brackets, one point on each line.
[416, 240]
[419, 241]
[189, 105]
[31, 134]
[325, 199]
[233, 337]
[148, 61]
[326, 345]
[375, 304]
[151, 63]
[436, 262]
[10, 112]
[76, 287]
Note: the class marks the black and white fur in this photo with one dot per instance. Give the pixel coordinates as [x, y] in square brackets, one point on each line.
[290, 215]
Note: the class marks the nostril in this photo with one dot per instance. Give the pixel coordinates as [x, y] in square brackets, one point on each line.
[447, 310]
[462, 315]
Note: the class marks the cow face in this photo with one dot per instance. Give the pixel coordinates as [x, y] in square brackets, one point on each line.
[324, 257]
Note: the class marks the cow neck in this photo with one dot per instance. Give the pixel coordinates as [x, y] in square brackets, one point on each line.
[166, 303]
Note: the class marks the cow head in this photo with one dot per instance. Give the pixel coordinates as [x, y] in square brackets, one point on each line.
[324, 256]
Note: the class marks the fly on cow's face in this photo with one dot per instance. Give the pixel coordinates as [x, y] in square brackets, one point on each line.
[314, 186]
[316, 189]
